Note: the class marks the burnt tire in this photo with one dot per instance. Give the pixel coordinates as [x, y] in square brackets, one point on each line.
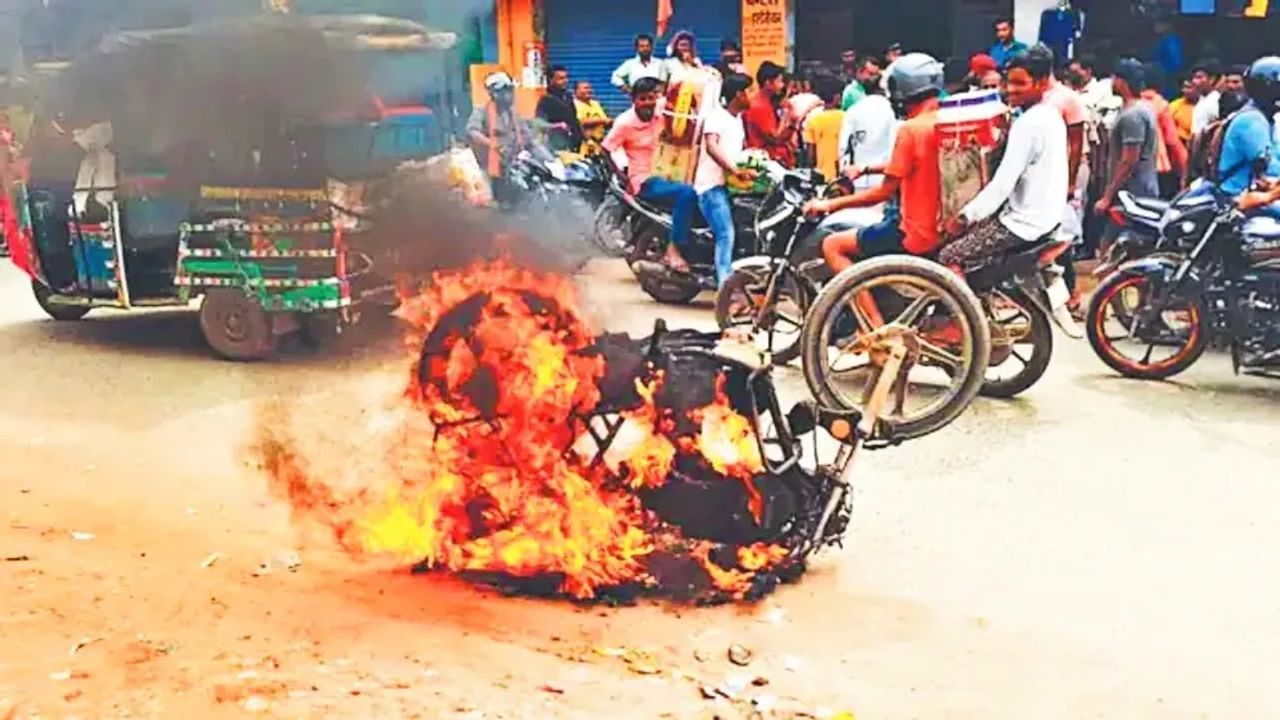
[1041, 340]
[236, 326]
[61, 313]
[838, 293]
[748, 282]
[670, 292]
[1106, 350]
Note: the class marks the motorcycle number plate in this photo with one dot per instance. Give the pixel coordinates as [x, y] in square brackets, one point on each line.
[1059, 295]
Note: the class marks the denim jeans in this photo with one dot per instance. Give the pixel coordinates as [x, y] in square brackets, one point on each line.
[682, 200]
[717, 209]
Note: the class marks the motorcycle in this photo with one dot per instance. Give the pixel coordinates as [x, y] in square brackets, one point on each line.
[755, 218]
[767, 296]
[962, 334]
[559, 199]
[1226, 289]
[1140, 225]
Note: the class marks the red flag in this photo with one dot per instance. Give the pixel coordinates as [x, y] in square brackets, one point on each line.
[664, 16]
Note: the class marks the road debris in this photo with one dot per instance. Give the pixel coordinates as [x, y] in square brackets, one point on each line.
[17, 558]
[552, 688]
[760, 681]
[65, 675]
[210, 560]
[81, 644]
[764, 703]
[283, 560]
[791, 663]
[701, 655]
[739, 655]
[82, 536]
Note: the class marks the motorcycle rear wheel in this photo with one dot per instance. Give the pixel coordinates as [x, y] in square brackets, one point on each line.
[1039, 335]
[610, 229]
[930, 295]
[1110, 307]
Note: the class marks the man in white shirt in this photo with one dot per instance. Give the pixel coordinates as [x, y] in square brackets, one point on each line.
[1205, 76]
[642, 65]
[1027, 198]
[866, 136]
[723, 138]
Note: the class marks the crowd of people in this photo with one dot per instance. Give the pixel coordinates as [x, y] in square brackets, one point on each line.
[1080, 134]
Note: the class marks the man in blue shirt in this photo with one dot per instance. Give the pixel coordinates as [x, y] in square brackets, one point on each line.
[1248, 146]
[1006, 46]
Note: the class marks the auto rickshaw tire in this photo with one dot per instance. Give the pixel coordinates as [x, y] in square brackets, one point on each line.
[236, 326]
[61, 313]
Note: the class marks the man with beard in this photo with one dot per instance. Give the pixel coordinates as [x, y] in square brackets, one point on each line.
[641, 66]
[559, 114]
[767, 127]
[634, 139]
[497, 135]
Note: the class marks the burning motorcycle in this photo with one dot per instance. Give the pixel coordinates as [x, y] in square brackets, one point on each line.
[535, 454]
[1153, 318]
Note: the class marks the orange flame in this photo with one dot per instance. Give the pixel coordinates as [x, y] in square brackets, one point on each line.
[483, 478]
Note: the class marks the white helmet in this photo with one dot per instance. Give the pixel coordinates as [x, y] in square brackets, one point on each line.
[498, 81]
[914, 75]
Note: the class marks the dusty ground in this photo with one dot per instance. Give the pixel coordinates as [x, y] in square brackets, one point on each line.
[1099, 549]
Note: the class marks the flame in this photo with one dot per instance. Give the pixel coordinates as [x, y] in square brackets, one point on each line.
[483, 475]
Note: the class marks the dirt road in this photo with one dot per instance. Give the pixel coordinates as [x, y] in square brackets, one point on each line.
[1099, 549]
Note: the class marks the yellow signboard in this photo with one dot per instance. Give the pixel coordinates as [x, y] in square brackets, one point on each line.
[764, 33]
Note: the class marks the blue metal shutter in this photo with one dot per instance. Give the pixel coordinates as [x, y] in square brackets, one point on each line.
[593, 37]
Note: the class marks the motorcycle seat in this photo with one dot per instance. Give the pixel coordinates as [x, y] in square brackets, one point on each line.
[1148, 209]
[1153, 204]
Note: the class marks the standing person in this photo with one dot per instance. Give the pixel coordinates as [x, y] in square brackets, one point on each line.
[1232, 91]
[634, 139]
[1006, 45]
[559, 115]
[1096, 91]
[591, 116]
[892, 53]
[1183, 108]
[822, 130]
[1205, 75]
[730, 58]
[866, 136]
[1075, 117]
[1133, 140]
[682, 56]
[723, 139]
[1171, 154]
[497, 135]
[767, 127]
[912, 175]
[1027, 197]
[853, 90]
[641, 66]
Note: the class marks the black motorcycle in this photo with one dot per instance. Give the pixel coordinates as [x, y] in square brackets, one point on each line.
[1139, 225]
[555, 202]
[1154, 317]
[755, 218]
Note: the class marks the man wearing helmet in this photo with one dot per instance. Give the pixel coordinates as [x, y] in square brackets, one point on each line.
[911, 175]
[1248, 146]
[497, 135]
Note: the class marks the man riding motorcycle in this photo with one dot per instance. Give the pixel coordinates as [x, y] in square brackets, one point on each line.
[912, 176]
[1248, 153]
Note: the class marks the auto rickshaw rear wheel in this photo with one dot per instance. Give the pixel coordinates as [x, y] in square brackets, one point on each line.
[236, 326]
[57, 311]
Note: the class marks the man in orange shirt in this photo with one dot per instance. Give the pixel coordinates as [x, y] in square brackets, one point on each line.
[1183, 110]
[912, 176]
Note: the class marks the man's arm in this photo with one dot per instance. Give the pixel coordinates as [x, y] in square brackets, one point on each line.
[622, 76]
[476, 128]
[882, 193]
[1129, 156]
[1075, 152]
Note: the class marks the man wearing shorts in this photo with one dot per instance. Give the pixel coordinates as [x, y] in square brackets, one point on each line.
[910, 225]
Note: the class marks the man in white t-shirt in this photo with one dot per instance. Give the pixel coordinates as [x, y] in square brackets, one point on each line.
[723, 137]
[866, 137]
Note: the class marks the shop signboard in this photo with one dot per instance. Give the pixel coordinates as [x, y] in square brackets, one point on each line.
[764, 33]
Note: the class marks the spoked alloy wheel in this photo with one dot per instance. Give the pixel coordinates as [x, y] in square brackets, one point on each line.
[1138, 340]
[743, 304]
[1021, 344]
[925, 308]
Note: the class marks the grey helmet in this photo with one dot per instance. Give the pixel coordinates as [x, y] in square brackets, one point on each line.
[913, 76]
[1262, 82]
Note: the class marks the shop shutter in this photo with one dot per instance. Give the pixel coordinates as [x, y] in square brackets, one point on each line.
[593, 37]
